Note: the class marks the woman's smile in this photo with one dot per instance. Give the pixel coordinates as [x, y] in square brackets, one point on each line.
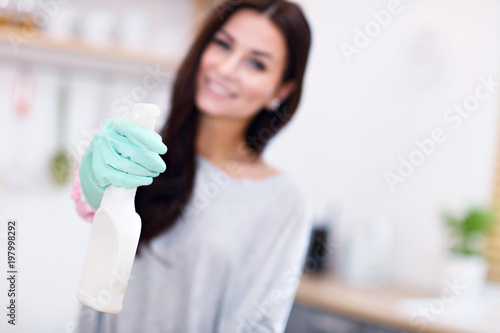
[217, 90]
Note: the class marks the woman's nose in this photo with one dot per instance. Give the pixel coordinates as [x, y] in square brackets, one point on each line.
[228, 66]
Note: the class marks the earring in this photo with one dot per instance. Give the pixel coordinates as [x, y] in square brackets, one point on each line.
[275, 104]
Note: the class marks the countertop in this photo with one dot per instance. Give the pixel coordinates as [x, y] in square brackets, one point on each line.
[403, 309]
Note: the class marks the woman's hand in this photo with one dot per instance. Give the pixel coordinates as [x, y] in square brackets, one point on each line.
[122, 154]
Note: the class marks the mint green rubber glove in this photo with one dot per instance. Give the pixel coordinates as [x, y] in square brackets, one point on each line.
[122, 154]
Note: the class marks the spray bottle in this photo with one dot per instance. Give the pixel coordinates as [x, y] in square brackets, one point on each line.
[114, 237]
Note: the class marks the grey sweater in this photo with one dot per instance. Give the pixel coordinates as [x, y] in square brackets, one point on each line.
[231, 263]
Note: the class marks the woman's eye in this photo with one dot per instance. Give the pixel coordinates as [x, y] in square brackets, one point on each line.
[257, 64]
[221, 43]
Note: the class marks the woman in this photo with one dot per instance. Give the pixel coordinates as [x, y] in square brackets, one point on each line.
[224, 234]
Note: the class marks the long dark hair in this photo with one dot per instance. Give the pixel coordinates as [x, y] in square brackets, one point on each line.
[161, 203]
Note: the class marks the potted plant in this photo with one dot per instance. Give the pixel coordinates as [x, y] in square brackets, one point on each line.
[466, 262]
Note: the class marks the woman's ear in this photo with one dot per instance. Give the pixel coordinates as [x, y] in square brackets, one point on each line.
[283, 92]
[286, 89]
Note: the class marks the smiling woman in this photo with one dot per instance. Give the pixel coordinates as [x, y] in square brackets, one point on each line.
[231, 263]
[243, 68]
[229, 131]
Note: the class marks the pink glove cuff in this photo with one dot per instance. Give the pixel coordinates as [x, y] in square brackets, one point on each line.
[82, 207]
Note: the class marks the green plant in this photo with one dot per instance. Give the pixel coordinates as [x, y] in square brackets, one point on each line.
[469, 232]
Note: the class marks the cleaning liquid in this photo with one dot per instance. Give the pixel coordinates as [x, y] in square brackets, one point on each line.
[114, 238]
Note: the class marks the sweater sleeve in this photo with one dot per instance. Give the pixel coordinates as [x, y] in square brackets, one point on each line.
[260, 297]
[82, 206]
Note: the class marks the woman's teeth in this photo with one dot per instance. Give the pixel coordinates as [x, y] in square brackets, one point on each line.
[218, 89]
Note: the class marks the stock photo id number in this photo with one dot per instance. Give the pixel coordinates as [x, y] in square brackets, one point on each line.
[12, 270]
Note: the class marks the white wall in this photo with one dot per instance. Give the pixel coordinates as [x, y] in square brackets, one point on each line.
[356, 119]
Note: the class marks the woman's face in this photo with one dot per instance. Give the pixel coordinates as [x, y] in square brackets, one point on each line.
[241, 68]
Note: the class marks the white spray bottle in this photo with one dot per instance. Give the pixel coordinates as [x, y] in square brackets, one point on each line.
[114, 237]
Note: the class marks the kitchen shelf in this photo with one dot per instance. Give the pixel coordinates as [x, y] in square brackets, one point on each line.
[42, 49]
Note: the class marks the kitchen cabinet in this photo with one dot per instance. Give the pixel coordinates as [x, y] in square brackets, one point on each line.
[311, 320]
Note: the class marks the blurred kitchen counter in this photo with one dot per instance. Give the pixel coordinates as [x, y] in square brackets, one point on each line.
[399, 309]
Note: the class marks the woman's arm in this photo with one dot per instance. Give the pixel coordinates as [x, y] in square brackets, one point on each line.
[260, 295]
[82, 207]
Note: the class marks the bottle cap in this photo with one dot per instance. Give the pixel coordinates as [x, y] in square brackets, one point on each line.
[145, 115]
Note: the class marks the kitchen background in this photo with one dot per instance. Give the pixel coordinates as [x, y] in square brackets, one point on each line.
[378, 89]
